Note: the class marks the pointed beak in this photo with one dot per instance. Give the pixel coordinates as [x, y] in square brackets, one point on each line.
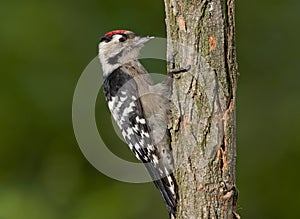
[140, 41]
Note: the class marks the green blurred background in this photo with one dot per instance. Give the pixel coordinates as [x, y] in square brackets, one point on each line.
[44, 47]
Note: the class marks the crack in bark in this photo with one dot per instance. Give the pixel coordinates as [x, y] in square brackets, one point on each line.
[227, 51]
[206, 132]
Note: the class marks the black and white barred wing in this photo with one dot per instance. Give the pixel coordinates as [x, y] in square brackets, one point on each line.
[121, 93]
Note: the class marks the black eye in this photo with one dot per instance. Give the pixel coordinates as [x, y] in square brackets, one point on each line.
[122, 39]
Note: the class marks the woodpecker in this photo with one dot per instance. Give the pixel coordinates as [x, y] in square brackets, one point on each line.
[139, 107]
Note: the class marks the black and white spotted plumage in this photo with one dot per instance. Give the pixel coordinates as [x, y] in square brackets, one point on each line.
[139, 107]
[120, 91]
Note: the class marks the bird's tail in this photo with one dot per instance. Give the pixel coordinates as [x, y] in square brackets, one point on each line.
[165, 183]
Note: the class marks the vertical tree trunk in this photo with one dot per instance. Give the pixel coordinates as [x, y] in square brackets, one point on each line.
[203, 126]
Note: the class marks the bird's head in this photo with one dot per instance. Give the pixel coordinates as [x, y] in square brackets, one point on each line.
[119, 47]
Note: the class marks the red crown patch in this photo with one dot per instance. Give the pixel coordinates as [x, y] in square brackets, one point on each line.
[109, 34]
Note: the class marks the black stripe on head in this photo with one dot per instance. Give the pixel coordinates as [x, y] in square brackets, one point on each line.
[105, 39]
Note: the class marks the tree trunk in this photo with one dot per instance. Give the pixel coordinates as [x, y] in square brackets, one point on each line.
[203, 124]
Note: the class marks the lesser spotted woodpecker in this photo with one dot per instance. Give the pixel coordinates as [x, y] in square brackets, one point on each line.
[139, 107]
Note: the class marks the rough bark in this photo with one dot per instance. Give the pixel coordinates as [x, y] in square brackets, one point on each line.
[203, 124]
